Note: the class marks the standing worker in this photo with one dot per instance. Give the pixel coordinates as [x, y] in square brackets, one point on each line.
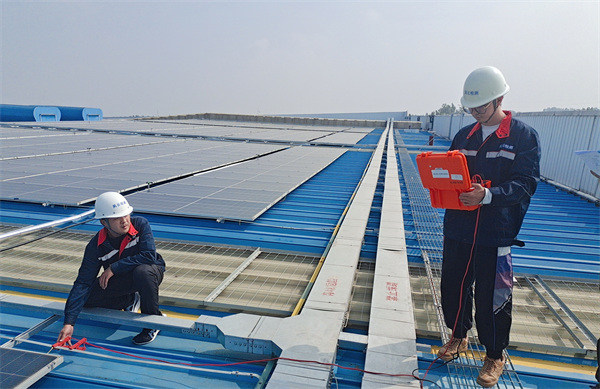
[477, 243]
[133, 269]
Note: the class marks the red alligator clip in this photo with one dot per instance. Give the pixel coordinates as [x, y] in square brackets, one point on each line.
[62, 342]
[79, 345]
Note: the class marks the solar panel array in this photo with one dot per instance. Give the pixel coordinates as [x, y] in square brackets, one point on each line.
[66, 142]
[240, 192]
[218, 129]
[76, 178]
[276, 126]
[238, 180]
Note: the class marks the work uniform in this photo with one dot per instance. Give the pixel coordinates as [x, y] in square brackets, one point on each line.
[509, 158]
[136, 267]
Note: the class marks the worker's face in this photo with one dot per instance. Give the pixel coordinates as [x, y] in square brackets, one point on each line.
[118, 226]
[484, 113]
[481, 109]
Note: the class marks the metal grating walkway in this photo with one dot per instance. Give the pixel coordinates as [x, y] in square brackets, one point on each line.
[271, 284]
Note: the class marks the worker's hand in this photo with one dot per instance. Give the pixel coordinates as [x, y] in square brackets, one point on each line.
[104, 277]
[66, 332]
[474, 196]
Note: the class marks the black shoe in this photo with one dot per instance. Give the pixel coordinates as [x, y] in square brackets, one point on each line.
[146, 336]
[135, 305]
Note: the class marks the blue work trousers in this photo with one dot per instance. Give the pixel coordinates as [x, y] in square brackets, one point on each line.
[119, 293]
[493, 278]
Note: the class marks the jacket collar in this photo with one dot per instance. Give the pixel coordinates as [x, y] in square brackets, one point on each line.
[503, 130]
[103, 234]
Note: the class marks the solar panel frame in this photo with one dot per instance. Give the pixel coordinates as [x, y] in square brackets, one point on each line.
[21, 369]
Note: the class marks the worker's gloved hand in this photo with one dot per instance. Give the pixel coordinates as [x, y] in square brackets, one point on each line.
[474, 196]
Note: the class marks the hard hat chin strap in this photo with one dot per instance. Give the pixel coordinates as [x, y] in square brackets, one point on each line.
[106, 225]
[496, 105]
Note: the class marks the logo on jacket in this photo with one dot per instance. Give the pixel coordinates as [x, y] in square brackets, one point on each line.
[507, 146]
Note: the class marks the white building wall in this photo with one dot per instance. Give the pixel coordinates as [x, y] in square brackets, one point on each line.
[441, 125]
[561, 134]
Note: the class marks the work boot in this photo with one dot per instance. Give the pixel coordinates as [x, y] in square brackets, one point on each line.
[450, 350]
[490, 372]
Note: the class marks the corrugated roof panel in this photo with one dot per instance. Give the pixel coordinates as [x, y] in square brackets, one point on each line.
[303, 222]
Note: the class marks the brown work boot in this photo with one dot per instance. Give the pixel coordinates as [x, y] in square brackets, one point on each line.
[450, 350]
[490, 372]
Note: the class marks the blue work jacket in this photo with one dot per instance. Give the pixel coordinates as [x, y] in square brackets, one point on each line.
[137, 248]
[510, 159]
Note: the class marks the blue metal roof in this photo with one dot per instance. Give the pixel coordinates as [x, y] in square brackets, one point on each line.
[133, 370]
[95, 371]
[302, 222]
[561, 231]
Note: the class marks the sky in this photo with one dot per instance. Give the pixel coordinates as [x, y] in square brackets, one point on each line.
[300, 57]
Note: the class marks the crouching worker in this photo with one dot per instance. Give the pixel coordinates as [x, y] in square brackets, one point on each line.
[132, 269]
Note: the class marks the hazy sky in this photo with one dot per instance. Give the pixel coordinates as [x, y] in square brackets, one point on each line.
[147, 58]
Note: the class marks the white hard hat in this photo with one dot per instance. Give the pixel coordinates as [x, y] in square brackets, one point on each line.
[482, 86]
[111, 205]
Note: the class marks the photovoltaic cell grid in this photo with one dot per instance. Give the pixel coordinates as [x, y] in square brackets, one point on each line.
[76, 178]
[240, 192]
[276, 126]
[106, 125]
[225, 130]
[21, 369]
[341, 138]
[250, 133]
[53, 142]
[18, 132]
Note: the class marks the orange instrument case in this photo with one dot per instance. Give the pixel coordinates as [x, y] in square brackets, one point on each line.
[446, 175]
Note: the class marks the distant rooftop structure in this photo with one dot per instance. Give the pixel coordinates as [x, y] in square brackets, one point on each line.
[296, 247]
[37, 113]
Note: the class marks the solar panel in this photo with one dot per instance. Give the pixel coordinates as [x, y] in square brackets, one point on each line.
[70, 142]
[240, 192]
[342, 138]
[74, 178]
[21, 369]
[9, 133]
